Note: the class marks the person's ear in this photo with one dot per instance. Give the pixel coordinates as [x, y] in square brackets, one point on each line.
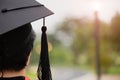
[28, 61]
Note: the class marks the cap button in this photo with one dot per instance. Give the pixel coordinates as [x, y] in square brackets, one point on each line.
[4, 10]
[44, 28]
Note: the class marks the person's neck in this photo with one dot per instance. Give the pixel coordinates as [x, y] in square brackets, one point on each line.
[13, 73]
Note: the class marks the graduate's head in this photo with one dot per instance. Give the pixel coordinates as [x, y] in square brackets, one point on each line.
[15, 45]
[15, 48]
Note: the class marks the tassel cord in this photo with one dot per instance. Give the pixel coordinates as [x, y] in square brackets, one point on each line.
[44, 72]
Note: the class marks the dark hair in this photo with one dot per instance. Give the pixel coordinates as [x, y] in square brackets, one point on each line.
[15, 47]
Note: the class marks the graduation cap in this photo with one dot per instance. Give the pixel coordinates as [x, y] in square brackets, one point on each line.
[14, 14]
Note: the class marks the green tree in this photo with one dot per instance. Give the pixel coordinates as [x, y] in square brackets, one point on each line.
[115, 38]
[79, 33]
[77, 30]
[115, 32]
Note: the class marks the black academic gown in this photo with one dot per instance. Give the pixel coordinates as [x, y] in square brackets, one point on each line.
[15, 78]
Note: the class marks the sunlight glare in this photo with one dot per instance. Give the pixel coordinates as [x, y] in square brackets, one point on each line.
[96, 5]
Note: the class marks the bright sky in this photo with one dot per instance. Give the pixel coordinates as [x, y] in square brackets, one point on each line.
[77, 8]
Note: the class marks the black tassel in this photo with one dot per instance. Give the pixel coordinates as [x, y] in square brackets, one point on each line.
[44, 72]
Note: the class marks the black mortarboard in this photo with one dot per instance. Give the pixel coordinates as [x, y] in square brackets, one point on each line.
[15, 13]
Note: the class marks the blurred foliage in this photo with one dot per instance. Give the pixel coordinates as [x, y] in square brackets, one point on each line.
[61, 56]
[83, 44]
[73, 43]
[115, 32]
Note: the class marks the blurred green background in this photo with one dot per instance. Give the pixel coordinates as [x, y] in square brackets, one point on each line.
[73, 45]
